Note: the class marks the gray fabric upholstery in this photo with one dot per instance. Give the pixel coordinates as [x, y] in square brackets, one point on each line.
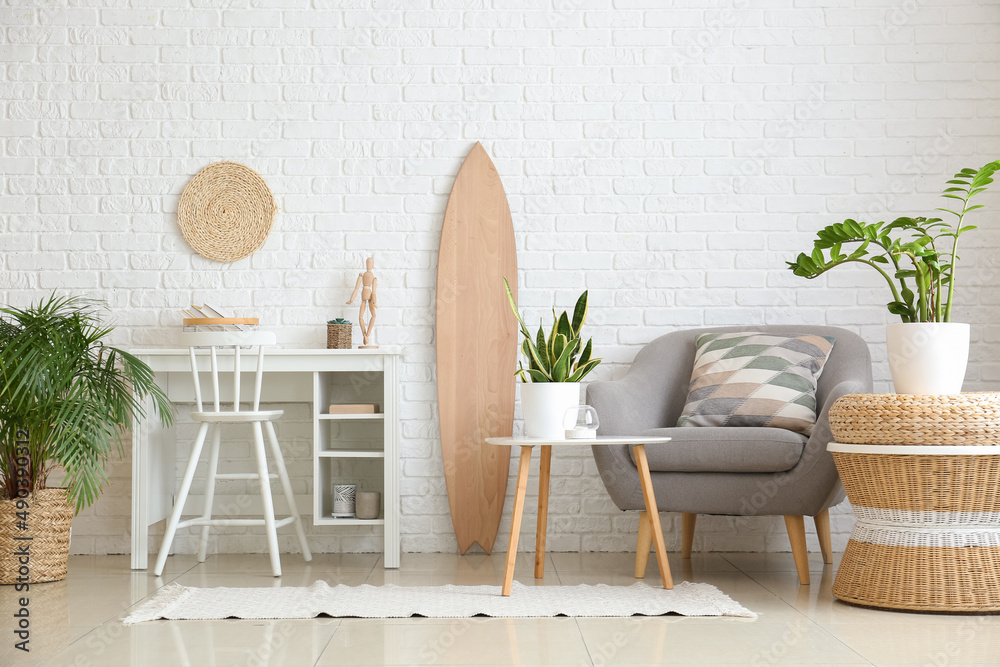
[652, 395]
[724, 449]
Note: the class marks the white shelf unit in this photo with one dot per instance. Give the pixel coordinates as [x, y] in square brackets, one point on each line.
[361, 449]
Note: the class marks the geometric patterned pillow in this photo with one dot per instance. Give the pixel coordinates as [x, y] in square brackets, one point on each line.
[756, 379]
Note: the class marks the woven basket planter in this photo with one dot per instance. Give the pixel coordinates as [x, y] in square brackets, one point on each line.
[338, 336]
[48, 525]
[924, 489]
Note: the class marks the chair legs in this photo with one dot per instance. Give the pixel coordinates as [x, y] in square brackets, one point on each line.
[797, 537]
[822, 521]
[645, 542]
[206, 521]
[265, 497]
[687, 534]
[286, 487]
[213, 469]
[182, 494]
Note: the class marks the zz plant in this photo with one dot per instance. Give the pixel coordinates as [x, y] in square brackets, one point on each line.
[561, 357]
[73, 394]
[917, 257]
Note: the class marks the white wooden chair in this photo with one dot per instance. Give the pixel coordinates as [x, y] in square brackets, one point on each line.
[215, 418]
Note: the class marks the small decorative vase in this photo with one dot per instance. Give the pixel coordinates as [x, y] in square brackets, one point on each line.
[338, 336]
[343, 500]
[928, 357]
[544, 405]
[368, 504]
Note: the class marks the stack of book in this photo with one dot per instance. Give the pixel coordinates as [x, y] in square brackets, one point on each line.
[213, 318]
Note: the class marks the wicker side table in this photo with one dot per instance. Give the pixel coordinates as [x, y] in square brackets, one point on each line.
[927, 535]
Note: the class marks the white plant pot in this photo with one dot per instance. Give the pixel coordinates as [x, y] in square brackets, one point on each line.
[544, 405]
[928, 357]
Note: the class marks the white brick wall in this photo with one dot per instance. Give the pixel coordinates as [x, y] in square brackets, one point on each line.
[667, 156]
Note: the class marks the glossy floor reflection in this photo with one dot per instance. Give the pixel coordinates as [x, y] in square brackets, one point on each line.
[78, 621]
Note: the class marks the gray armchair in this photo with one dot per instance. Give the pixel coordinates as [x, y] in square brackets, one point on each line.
[735, 471]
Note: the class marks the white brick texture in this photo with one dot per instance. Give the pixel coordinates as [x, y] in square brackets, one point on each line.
[667, 156]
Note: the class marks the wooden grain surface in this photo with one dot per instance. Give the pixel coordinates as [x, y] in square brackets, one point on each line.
[476, 336]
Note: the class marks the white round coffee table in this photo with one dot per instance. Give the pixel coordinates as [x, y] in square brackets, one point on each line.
[649, 523]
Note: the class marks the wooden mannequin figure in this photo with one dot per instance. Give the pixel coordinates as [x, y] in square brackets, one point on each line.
[367, 282]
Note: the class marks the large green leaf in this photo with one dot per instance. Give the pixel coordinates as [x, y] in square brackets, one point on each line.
[559, 343]
[579, 313]
[582, 370]
[564, 327]
[536, 359]
[561, 368]
[541, 350]
[513, 307]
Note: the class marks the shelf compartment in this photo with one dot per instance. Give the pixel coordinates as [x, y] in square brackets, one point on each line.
[351, 454]
[351, 417]
[358, 448]
[330, 521]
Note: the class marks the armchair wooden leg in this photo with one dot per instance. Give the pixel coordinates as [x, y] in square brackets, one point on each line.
[687, 534]
[645, 542]
[796, 527]
[822, 521]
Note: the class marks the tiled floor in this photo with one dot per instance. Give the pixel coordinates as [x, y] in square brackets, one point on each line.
[78, 621]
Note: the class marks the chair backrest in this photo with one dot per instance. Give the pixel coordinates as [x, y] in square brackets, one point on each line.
[663, 369]
[216, 340]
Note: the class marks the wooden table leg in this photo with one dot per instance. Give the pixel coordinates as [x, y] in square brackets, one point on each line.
[543, 510]
[515, 522]
[654, 514]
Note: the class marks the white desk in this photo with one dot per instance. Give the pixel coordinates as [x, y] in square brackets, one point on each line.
[317, 377]
[649, 521]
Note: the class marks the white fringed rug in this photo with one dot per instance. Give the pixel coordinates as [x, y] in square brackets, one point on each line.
[175, 602]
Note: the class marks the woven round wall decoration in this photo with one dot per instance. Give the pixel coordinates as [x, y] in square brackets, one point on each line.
[226, 211]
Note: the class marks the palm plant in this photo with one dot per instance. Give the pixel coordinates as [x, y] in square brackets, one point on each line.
[921, 255]
[562, 357]
[68, 394]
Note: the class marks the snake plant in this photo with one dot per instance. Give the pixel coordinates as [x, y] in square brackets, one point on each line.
[561, 357]
[906, 249]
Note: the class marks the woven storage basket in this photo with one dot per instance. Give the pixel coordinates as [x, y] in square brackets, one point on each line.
[917, 419]
[338, 336]
[48, 525]
[927, 535]
[226, 211]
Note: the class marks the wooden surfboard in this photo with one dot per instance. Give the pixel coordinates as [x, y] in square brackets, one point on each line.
[476, 335]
